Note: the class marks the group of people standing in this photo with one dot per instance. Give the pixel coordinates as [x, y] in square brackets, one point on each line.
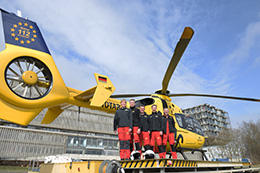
[136, 129]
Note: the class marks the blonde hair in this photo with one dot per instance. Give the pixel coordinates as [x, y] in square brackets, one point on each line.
[123, 100]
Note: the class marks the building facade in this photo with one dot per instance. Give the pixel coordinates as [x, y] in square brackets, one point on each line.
[84, 132]
[211, 119]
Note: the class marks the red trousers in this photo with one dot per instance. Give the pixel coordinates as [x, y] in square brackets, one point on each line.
[170, 138]
[124, 141]
[136, 138]
[146, 138]
[156, 137]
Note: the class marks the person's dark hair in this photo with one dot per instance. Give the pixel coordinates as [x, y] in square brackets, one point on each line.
[154, 105]
[132, 100]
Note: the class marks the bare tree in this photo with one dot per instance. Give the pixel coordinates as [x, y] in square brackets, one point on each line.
[250, 137]
[243, 142]
[223, 138]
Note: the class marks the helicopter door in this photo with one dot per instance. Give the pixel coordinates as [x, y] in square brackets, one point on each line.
[184, 136]
[190, 127]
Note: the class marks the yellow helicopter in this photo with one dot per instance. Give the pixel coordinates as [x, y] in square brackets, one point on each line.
[31, 82]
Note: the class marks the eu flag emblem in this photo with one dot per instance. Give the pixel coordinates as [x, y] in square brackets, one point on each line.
[22, 32]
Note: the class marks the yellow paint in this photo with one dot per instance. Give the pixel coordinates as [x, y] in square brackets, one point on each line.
[52, 114]
[187, 34]
[30, 77]
[20, 110]
[74, 167]
[18, 115]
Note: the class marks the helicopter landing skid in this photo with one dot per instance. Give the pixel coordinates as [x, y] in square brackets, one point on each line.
[182, 150]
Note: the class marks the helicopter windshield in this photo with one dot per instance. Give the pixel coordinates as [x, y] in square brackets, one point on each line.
[189, 123]
[145, 102]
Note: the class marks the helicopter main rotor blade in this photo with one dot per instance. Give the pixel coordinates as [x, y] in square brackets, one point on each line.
[128, 95]
[215, 96]
[178, 52]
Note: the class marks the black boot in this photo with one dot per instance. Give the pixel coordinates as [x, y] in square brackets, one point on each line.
[161, 150]
[147, 147]
[173, 148]
[137, 147]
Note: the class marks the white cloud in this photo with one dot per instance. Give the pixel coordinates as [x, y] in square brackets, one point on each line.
[132, 43]
[241, 53]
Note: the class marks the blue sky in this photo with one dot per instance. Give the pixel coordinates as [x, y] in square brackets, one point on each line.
[132, 42]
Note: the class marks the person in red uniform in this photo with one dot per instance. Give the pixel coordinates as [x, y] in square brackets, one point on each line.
[156, 129]
[123, 124]
[136, 127]
[145, 128]
[168, 133]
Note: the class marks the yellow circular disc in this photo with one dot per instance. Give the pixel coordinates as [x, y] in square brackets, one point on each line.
[30, 77]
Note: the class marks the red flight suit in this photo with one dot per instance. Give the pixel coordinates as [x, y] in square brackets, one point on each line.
[168, 135]
[135, 137]
[145, 129]
[156, 128]
[123, 122]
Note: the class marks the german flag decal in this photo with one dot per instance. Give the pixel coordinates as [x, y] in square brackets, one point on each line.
[102, 79]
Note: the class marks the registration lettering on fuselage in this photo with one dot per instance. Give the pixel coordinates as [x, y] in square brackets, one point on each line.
[110, 105]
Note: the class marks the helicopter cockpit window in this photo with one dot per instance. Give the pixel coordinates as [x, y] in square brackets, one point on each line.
[179, 119]
[189, 124]
[145, 102]
[197, 127]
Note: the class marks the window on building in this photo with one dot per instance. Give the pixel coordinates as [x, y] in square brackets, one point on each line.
[70, 141]
[110, 143]
[100, 142]
[105, 142]
[84, 143]
[81, 141]
[115, 144]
